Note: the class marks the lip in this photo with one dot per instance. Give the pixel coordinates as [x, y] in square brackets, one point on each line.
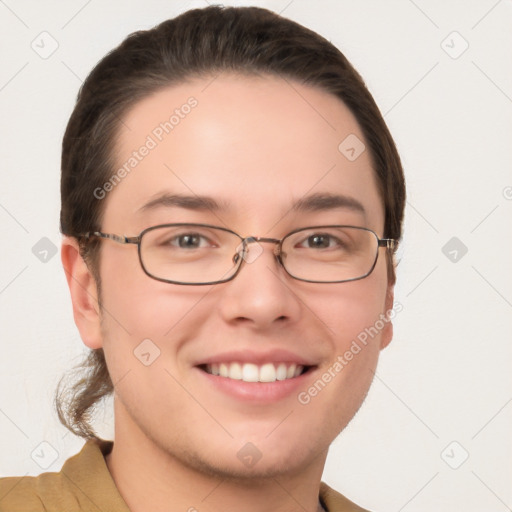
[256, 392]
[258, 358]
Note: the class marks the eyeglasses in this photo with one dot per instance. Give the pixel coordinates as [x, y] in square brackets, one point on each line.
[201, 254]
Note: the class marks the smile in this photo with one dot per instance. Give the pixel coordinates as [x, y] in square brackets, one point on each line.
[249, 372]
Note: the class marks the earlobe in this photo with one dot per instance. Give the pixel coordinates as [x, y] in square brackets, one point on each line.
[387, 332]
[84, 296]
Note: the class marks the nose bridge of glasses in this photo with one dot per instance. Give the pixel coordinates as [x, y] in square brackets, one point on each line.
[257, 239]
[243, 251]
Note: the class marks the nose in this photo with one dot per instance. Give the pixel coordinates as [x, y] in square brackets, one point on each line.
[259, 294]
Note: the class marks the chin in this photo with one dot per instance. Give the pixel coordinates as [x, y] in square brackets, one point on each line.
[231, 467]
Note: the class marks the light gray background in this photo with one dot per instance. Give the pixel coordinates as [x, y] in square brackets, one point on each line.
[446, 375]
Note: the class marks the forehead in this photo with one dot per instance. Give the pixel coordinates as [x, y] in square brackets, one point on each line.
[255, 144]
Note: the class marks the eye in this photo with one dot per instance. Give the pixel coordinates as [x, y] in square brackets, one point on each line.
[322, 241]
[187, 241]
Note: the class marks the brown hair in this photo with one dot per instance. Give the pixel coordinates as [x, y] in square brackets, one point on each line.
[198, 43]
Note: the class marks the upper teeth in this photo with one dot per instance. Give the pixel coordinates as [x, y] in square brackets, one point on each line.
[250, 372]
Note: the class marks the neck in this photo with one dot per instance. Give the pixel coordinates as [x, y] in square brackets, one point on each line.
[151, 478]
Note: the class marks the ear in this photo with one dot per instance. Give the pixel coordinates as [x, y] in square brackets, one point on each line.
[387, 331]
[84, 296]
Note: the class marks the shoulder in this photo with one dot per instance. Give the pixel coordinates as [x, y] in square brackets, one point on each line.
[82, 485]
[32, 493]
[333, 501]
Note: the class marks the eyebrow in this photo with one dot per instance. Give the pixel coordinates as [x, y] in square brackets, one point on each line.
[313, 203]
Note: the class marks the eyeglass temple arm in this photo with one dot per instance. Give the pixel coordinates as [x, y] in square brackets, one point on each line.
[115, 238]
[389, 243]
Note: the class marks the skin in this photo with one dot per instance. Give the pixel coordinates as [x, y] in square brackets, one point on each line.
[260, 144]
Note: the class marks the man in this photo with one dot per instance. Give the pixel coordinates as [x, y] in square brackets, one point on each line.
[230, 207]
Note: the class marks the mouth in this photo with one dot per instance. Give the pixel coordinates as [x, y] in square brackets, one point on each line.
[257, 377]
[250, 372]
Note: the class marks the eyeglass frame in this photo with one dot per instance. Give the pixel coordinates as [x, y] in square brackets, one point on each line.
[388, 243]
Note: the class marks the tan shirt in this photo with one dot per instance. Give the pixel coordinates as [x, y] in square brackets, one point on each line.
[84, 484]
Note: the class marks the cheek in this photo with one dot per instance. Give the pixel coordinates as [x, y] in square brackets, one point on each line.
[355, 315]
[135, 305]
[150, 310]
[138, 314]
[141, 328]
[351, 309]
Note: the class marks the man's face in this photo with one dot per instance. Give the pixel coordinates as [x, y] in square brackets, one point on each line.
[256, 145]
